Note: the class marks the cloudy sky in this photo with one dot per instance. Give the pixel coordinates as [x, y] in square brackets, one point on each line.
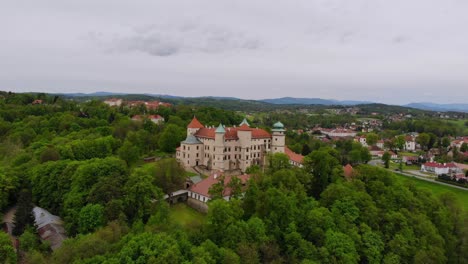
[391, 51]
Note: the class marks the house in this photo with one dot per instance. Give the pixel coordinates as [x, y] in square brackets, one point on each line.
[393, 156]
[439, 168]
[37, 101]
[49, 227]
[152, 105]
[157, 119]
[137, 118]
[410, 143]
[410, 159]
[459, 142]
[229, 148]
[113, 102]
[380, 143]
[361, 139]
[199, 193]
[375, 150]
[294, 158]
[338, 132]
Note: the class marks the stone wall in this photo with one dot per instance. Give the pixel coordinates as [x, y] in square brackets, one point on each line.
[197, 205]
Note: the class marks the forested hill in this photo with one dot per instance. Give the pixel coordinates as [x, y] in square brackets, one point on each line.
[236, 104]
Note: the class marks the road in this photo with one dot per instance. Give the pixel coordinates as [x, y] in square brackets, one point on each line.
[377, 162]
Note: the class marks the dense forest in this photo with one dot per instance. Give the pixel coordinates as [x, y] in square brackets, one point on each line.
[83, 162]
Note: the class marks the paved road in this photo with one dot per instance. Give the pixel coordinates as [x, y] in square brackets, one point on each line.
[377, 162]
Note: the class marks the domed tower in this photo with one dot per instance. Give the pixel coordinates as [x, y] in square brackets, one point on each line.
[218, 163]
[194, 126]
[278, 138]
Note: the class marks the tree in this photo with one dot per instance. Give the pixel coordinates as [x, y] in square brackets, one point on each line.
[91, 217]
[49, 154]
[129, 152]
[236, 187]
[445, 142]
[386, 159]
[371, 139]
[168, 175]
[171, 137]
[7, 185]
[278, 161]
[341, 248]
[216, 190]
[423, 139]
[23, 215]
[141, 192]
[7, 251]
[399, 142]
[324, 167]
[305, 150]
[29, 240]
[464, 147]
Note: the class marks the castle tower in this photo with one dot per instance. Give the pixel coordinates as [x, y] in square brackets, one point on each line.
[278, 138]
[194, 126]
[218, 163]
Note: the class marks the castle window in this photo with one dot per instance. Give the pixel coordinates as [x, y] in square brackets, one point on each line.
[184, 147]
[197, 147]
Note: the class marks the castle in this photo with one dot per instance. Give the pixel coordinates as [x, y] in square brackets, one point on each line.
[230, 148]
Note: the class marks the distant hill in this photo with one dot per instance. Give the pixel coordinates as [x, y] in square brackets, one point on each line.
[311, 101]
[233, 103]
[440, 107]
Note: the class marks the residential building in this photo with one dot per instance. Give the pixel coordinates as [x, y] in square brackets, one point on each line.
[199, 193]
[49, 227]
[410, 143]
[361, 139]
[439, 168]
[338, 132]
[113, 102]
[157, 119]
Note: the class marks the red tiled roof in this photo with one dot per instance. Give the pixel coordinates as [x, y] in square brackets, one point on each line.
[409, 138]
[374, 148]
[204, 186]
[348, 171]
[298, 158]
[195, 124]
[231, 132]
[155, 117]
[439, 165]
[137, 117]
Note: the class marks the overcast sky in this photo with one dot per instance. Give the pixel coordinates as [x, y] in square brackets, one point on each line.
[390, 51]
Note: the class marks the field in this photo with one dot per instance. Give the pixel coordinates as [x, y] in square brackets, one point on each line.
[186, 217]
[438, 189]
[461, 125]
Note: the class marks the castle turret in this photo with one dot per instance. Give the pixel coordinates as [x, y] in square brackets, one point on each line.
[278, 138]
[194, 126]
[218, 162]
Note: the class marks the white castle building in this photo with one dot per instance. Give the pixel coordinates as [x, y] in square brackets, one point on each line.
[229, 148]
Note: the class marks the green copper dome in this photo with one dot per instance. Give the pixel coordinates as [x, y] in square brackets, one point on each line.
[278, 125]
[244, 122]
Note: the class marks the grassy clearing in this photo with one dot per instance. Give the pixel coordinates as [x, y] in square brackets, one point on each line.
[461, 125]
[437, 189]
[186, 216]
